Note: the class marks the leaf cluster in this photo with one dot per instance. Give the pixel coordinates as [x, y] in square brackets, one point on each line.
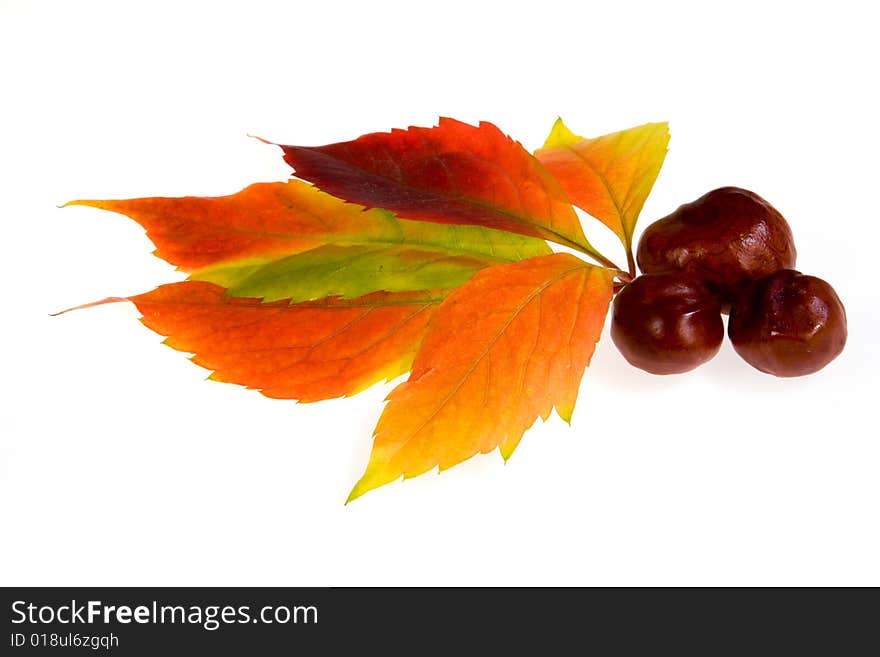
[432, 251]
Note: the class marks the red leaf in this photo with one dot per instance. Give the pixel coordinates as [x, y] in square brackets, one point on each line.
[454, 173]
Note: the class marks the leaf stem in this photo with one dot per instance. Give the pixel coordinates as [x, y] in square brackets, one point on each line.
[89, 305]
[630, 258]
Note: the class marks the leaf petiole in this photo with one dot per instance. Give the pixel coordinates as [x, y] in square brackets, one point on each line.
[630, 261]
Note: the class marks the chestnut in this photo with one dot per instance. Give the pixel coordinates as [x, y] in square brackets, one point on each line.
[728, 237]
[667, 323]
[788, 324]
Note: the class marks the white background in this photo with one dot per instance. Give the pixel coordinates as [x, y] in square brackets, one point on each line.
[120, 465]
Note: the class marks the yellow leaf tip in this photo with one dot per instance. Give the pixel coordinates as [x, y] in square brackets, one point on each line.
[91, 203]
[368, 482]
[565, 414]
[365, 484]
[508, 447]
[560, 135]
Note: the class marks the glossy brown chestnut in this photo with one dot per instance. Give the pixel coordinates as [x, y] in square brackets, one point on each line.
[788, 324]
[727, 237]
[667, 323]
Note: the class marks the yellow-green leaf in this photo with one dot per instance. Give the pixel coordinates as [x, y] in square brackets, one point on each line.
[344, 271]
[609, 176]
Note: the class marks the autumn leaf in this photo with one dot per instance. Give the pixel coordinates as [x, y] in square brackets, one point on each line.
[307, 351]
[523, 334]
[609, 176]
[418, 250]
[344, 271]
[269, 220]
[291, 241]
[453, 173]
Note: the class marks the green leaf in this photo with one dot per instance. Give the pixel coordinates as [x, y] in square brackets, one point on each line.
[345, 271]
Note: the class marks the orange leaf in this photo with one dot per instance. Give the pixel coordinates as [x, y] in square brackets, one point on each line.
[524, 333]
[609, 176]
[454, 173]
[276, 219]
[307, 351]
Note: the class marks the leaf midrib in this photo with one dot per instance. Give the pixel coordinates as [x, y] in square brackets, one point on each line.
[627, 234]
